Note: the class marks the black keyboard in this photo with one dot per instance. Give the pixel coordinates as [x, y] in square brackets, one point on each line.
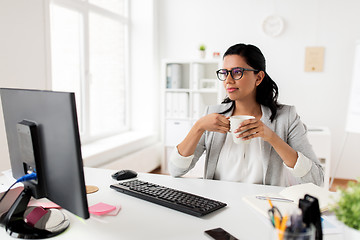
[168, 197]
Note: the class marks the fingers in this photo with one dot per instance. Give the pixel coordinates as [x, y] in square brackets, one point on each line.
[247, 124]
[223, 123]
[215, 122]
[222, 130]
[254, 128]
[252, 133]
[250, 129]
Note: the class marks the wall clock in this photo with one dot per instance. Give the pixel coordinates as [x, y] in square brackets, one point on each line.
[273, 25]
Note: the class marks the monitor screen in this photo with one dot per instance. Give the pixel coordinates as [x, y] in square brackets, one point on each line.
[59, 165]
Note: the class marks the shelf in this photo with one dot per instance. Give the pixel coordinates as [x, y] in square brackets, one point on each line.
[188, 86]
[205, 91]
[186, 90]
[178, 118]
[182, 90]
[320, 139]
[192, 61]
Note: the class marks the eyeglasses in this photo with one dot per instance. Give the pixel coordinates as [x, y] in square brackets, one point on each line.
[275, 215]
[236, 73]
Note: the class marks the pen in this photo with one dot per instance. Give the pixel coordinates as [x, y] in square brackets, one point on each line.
[277, 222]
[282, 227]
[272, 215]
[274, 199]
[270, 202]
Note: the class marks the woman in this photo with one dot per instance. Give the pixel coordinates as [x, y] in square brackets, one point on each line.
[279, 152]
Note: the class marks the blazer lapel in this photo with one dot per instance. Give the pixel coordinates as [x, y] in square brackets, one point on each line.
[217, 142]
[266, 113]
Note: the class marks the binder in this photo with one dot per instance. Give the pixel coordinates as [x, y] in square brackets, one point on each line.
[174, 75]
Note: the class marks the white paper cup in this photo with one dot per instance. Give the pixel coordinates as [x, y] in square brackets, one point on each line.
[235, 122]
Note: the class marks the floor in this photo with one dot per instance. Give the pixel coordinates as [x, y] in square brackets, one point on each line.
[342, 183]
[338, 182]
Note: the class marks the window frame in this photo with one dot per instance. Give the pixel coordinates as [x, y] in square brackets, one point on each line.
[85, 8]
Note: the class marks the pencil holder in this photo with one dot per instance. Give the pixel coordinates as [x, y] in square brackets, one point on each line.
[306, 234]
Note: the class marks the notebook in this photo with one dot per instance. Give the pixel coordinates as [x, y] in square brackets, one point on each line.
[294, 193]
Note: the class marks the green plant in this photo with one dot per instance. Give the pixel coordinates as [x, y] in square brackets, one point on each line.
[348, 208]
[202, 47]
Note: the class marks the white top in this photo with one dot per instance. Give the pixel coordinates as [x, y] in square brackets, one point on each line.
[240, 162]
[302, 166]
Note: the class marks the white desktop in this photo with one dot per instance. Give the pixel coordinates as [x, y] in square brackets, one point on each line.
[139, 219]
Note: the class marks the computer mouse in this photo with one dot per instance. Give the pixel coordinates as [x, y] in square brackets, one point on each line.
[124, 174]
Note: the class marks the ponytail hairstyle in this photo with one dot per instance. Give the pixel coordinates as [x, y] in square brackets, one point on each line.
[267, 90]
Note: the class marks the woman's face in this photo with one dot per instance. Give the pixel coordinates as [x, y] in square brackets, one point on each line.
[245, 87]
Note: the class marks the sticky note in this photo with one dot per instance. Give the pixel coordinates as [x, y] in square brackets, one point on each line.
[44, 203]
[114, 212]
[101, 208]
[34, 216]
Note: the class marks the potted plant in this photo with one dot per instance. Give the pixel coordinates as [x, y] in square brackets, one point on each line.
[202, 50]
[348, 209]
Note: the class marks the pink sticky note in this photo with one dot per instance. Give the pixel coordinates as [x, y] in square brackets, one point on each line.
[44, 203]
[101, 208]
[34, 216]
[114, 212]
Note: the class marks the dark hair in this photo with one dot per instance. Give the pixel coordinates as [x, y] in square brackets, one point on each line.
[267, 91]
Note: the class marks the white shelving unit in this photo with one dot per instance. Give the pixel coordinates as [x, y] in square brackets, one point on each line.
[320, 139]
[187, 87]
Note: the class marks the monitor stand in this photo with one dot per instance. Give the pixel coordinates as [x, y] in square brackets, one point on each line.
[15, 224]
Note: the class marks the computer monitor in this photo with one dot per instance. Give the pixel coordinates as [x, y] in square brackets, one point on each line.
[43, 136]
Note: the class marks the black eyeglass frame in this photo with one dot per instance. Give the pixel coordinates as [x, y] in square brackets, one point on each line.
[231, 72]
[272, 213]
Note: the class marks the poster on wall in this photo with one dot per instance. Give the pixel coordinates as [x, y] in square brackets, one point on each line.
[353, 116]
[314, 59]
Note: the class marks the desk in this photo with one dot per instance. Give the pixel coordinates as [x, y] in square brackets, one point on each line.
[139, 219]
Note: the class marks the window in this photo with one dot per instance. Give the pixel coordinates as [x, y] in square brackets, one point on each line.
[89, 44]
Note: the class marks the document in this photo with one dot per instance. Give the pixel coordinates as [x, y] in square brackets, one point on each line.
[287, 200]
[325, 197]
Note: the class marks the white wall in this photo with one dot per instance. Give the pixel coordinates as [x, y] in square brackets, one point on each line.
[321, 98]
[143, 59]
[22, 53]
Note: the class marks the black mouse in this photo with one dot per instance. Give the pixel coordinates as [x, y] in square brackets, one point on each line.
[124, 174]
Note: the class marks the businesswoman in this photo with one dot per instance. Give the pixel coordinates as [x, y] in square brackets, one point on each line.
[279, 152]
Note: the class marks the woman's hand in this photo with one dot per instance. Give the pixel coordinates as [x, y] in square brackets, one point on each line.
[214, 122]
[255, 128]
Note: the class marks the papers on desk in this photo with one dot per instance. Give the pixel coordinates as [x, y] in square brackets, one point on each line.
[262, 206]
[294, 193]
[325, 197]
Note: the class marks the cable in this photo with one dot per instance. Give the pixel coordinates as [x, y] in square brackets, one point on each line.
[3, 196]
[27, 177]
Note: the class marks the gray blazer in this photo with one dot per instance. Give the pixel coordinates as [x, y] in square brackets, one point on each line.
[287, 125]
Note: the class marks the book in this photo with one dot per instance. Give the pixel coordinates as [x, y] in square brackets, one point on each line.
[174, 76]
[292, 195]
